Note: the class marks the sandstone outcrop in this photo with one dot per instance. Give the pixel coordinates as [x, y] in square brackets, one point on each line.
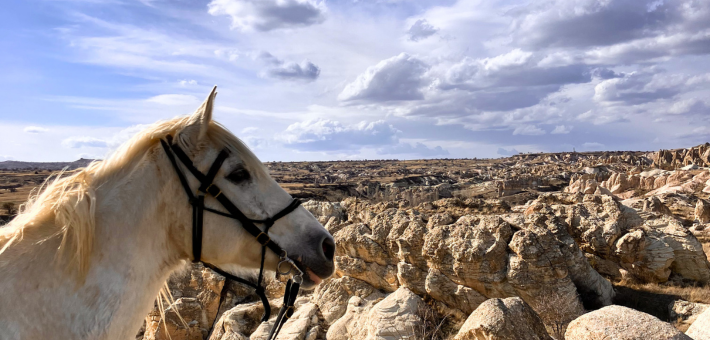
[620, 243]
[702, 211]
[700, 329]
[621, 323]
[395, 317]
[503, 319]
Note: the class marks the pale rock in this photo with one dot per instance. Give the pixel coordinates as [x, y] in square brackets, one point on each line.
[456, 296]
[324, 211]
[700, 329]
[239, 322]
[536, 265]
[653, 204]
[395, 317]
[702, 211]
[621, 323]
[332, 295]
[472, 252]
[303, 325]
[382, 277]
[503, 319]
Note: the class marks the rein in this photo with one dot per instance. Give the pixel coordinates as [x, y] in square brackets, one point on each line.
[198, 208]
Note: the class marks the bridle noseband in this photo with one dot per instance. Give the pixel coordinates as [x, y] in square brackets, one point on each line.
[198, 207]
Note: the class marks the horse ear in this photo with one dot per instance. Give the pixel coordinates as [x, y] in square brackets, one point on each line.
[198, 124]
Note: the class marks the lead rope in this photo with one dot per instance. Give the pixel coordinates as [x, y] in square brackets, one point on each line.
[198, 205]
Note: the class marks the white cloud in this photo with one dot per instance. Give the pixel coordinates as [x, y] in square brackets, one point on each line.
[329, 135]
[528, 130]
[420, 30]
[35, 129]
[78, 142]
[562, 130]
[689, 106]
[267, 15]
[418, 150]
[393, 79]
[187, 82]
[288, 70]
[250, 129]
[174, 99]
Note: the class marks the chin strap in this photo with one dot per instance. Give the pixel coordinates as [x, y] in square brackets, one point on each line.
[262, 236]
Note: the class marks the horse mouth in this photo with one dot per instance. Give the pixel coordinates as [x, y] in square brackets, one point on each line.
[310, 278]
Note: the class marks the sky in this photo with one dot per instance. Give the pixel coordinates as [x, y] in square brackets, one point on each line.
[305, 80]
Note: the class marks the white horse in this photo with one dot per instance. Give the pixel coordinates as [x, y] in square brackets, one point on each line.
[88, 255]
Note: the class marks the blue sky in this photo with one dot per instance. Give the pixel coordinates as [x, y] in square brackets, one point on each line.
[365, 79]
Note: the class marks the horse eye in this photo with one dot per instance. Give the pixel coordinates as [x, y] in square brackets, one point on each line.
[238, 175]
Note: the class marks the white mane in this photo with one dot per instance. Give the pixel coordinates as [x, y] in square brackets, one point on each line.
[67, 203]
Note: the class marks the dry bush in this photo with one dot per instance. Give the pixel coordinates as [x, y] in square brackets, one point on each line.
[556, 311]
[433, 326]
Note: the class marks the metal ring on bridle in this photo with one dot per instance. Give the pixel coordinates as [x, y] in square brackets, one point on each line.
[278, 267]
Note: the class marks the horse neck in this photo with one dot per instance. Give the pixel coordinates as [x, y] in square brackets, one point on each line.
[142, 235]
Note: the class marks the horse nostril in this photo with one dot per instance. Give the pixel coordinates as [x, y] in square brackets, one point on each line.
[328, 248]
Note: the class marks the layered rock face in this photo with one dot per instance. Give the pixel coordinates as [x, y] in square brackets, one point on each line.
[460, 262]
[401, 271]
[672, 159]
[646, 184]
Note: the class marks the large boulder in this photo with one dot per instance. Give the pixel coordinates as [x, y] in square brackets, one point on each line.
[398, 316]
[503, 319]
[621, 323]
[700, 329]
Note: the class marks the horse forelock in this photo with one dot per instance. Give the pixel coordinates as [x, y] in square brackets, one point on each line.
[69, 202]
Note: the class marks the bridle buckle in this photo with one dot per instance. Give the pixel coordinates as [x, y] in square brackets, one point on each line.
[210, 187]
[263, 239]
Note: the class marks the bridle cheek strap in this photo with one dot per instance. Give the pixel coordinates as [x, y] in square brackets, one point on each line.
[198, 207]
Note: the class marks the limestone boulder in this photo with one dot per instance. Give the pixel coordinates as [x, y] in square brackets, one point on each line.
[503, 319]
[303, 325]
[332, 296]
[700, 329]
[621, 323]
[702, 211]
[472, 252]
[398, 316]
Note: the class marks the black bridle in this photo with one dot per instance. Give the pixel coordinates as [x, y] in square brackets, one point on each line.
[198, 207]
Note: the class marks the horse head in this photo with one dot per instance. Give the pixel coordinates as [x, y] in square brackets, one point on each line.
[245, 182]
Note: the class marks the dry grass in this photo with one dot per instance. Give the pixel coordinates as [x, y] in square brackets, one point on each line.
[692, 293]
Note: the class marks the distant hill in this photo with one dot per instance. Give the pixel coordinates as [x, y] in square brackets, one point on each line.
[17, 165]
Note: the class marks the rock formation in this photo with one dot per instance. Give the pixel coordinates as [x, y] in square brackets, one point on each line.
[621, 323]
[503, 319]
[700, 329]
